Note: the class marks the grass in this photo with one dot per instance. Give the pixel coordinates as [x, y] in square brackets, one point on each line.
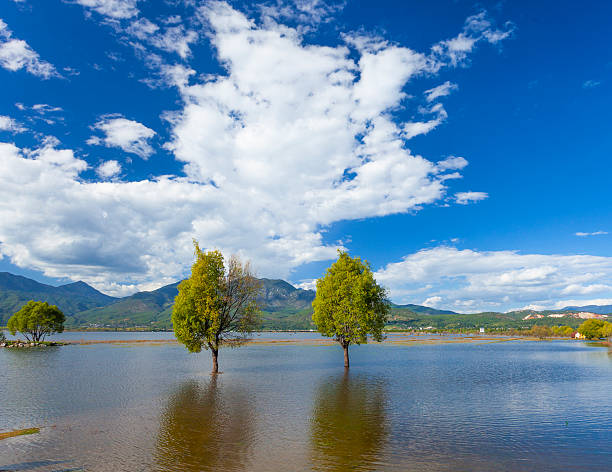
[19, 432]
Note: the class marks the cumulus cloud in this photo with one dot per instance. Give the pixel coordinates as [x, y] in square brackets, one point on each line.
[129, 135]
[470, 281]
[9, 124]
[16, 54]
[464, 198]
[594, 233]
[108, 169]
[289, 139]
[116, 9]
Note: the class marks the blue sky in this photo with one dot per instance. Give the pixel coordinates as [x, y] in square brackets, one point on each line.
[462, 148]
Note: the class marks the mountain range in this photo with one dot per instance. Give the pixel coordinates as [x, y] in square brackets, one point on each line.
[284, 307]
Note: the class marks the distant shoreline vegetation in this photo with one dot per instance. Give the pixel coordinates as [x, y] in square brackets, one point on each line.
[284, 308]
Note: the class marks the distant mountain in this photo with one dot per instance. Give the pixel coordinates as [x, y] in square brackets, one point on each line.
[72, 298]
[601, 309]
[284, 307]
[424, 310]
[141, 309]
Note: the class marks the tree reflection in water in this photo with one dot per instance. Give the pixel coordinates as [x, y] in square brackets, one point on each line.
[205, 427]
[349, 425]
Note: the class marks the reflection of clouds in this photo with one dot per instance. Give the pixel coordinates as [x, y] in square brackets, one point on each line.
[349, 424]
[205, 427]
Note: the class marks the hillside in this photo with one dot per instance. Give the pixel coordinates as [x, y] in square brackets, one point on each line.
[283, 305]
[284, 308]
[71, 298]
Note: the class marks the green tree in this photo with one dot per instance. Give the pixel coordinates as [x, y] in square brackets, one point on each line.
[36, 320]
[349, 304]
[606, 330]
[216, 306]
[591, 329]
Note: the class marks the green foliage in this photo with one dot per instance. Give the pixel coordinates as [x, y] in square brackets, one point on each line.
[592, 329]
[541, 331]
[606, 331]
[349, 304]
[563, 331]
[215, 306]
[36, 320]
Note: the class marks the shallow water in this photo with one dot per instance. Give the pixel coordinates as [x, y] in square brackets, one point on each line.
[509, 406]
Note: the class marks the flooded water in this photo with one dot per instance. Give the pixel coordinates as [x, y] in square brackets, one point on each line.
[505, 406]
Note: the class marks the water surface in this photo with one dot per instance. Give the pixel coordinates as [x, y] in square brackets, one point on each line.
[507, 406]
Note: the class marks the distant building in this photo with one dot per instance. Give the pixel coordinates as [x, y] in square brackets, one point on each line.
[535, 316]
[577, 335]
[482, 330]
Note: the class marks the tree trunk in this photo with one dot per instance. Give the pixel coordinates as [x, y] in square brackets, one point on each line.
[215, 369]
[346, 356]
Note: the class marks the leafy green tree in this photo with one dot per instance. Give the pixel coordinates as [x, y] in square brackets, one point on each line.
[349, 304]
[591, 329]
[216, 306]
[36, 320]
[606, 330]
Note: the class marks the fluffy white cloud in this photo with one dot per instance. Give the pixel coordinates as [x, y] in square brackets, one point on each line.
[129, 135]
[108, 169]
[16, 54]
[9, 124]
[291, 138]
[470, 281]
[452, 163]
[464, 198]
[117, 9]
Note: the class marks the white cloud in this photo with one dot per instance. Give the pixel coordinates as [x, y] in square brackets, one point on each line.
[477, 28]
[16, 54]
[108, 169]
[308, 13]
[412, 129]
[452, 163]
[464, 198]
[290, 138]
[594, 233]
[9, 124]
[440, 91]
[172, 39]
[308, 284]
[469, 281]
[588, 84]
[116, 9]
[129, 135]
